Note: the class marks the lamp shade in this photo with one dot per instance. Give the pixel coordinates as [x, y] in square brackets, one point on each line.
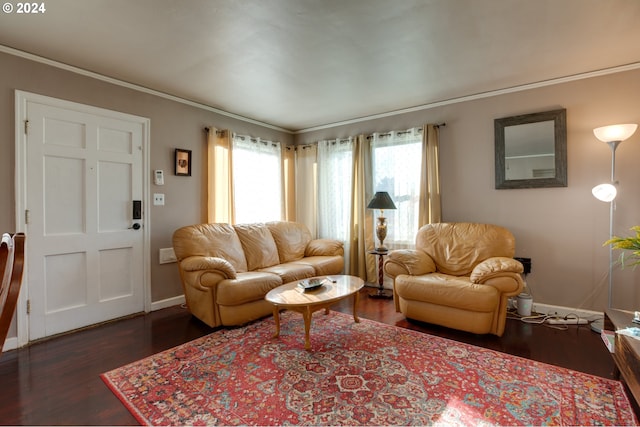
[381, 200]
[615, 132]
[605, 192]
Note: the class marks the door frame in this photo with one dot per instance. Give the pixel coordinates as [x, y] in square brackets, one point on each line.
[21, 100]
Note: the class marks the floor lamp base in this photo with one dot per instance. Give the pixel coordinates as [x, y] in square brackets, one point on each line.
[382, 293]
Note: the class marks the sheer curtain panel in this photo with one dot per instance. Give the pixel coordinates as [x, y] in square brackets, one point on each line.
[396, 163]
[335, 183]
[257, 180]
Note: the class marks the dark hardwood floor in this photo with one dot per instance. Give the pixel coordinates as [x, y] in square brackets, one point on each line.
[56, 381]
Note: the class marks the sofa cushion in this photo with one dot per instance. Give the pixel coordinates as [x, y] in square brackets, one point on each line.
[247, 287]
[324, 265]
[291, 271]
[210, 240]
[258, 244]
[291, 239]
[324, 247]
[450, 291]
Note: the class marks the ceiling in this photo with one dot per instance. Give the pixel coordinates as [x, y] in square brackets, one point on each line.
[300, 64]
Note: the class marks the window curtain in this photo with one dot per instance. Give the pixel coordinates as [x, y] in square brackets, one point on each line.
[350, 171]
[289, 184]
[219, 178]
[344, 189]
[335, 182]
[306, 177]
[430, 206]
[257, 180]
[405, 165]
[248, 179]
[361, 231]
[396, 163]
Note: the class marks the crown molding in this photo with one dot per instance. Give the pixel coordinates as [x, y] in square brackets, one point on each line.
[488, 94]
[122, 83]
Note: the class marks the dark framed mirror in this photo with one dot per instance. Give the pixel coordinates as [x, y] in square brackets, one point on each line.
[531, 150]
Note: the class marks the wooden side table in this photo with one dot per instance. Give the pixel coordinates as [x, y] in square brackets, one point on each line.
[626, 353]
[381, 292]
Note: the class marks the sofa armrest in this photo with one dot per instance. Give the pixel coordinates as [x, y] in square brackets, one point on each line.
[324, 247]
[495, 267]
[209, 264]
[408, 261]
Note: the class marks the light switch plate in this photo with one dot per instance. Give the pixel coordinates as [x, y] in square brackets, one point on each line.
[158, 199]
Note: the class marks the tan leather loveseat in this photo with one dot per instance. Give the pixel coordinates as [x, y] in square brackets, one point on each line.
[460, 275]
[227, 270]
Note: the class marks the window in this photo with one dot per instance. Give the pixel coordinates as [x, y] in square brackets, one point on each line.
[396, 164]
[257, 180]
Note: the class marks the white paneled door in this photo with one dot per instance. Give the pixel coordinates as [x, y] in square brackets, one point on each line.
[84, 193]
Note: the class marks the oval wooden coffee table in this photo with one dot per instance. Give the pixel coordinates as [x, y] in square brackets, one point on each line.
[292, 297]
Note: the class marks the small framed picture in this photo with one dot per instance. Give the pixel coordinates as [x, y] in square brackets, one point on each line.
[183, 162]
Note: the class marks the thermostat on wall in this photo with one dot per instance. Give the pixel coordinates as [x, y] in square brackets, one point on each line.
[158, 177]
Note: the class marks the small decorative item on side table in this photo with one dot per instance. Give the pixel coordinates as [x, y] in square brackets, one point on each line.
[381, 292]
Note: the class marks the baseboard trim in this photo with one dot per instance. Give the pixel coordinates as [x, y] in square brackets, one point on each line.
[165, 303]
[564, 311]
[10, 344]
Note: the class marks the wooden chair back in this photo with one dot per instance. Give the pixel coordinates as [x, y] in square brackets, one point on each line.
[11, 267]
[6, 244]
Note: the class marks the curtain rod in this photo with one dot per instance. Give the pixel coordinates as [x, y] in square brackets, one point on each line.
[402, 132]
[208, 129]
[340, 140]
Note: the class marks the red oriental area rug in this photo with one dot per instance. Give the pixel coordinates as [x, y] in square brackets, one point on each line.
[364, 373]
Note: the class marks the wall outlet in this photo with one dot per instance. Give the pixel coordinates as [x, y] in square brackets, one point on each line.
[526, 263]
[167, 256]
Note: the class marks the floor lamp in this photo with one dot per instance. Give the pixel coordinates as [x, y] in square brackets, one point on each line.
[612, 135]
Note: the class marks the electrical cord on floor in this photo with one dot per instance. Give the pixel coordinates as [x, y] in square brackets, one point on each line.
[553, 321]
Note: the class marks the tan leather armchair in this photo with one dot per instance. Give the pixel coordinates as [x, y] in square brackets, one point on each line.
[460, 275]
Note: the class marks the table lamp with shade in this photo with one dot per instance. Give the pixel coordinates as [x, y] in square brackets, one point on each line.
[381, 200]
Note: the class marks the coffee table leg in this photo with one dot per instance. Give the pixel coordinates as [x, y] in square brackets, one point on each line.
[276, 316]
[355, 307]
[307, 327]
